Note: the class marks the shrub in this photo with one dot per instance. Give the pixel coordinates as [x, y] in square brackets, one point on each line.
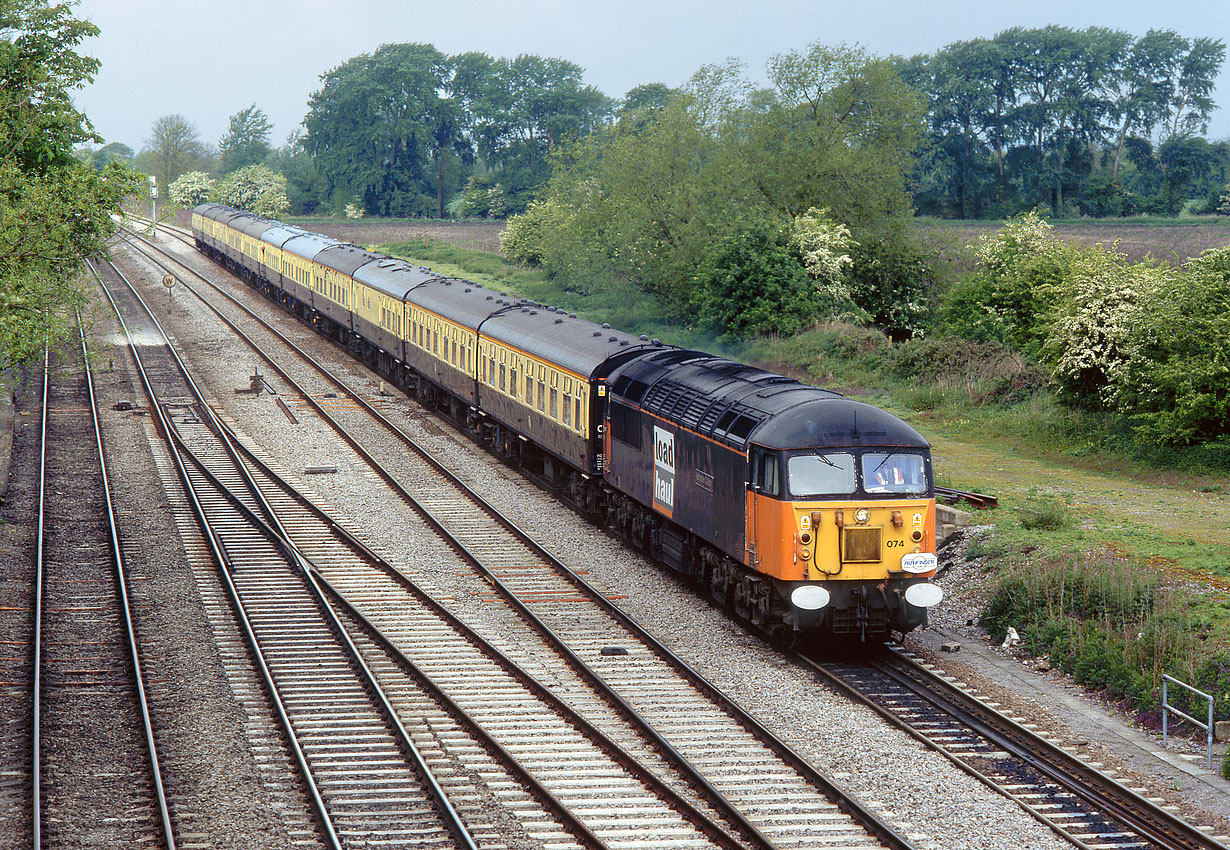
[824, 248]
[1090, 340]
[753, 283]
[892, 279]
[191, 189]
[525, 238]
[257, 189]
[1010, 296]
[1176, 380]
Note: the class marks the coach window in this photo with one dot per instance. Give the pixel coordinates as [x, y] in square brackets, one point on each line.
[554, 414]
[502, 376]
[463, 358]
[567, 409]
[542, 396]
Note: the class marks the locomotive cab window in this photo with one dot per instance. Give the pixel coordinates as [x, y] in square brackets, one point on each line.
[821, 474]
[898, 472]
[766, 474]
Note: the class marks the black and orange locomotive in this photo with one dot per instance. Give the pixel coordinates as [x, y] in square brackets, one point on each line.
[801, 510]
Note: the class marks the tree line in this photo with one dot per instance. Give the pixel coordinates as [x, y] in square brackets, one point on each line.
[1090, 122]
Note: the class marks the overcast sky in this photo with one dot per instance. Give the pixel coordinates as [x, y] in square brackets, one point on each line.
[208, 60]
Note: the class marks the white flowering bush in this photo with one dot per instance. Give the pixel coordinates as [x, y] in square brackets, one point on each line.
[191, 189]
[1091, 338]
[1011, 296]
[1021, 239]
[257, 189]
[824, 245]
[355, 211]
[1176, 382]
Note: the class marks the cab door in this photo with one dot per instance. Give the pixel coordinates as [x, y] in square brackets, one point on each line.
[770, 541]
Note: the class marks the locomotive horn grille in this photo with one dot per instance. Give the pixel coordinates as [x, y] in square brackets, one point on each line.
[860, 544]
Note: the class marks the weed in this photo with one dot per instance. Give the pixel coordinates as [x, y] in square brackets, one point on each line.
[1046, 513]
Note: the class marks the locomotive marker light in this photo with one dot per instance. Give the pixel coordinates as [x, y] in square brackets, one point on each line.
[810, 597]
[924, 595]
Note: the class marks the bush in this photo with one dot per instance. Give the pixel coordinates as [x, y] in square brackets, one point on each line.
[191, 189]
[525, 238]
[753, 283]
[1176, 380]
[892, 279]
[1010, 297]
[1090, 340]
[257, 189]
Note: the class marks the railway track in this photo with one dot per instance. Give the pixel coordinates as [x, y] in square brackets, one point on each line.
[94, 768]
[1075, 798]
[1086, 807]
[646, 700]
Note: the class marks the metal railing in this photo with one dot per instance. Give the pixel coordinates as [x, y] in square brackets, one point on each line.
[1168, 709]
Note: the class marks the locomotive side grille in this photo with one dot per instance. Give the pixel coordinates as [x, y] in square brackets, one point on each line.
[860, 544]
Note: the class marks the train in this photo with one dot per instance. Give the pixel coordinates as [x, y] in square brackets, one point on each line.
[807, 514]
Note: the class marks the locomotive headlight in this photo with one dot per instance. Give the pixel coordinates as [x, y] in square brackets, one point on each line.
[809, 597]
[861, 516]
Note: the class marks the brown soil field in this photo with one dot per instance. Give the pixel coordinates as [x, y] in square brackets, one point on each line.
[476, 235]
[1137, 239]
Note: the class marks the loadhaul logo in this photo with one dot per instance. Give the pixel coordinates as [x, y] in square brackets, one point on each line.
[663, 469]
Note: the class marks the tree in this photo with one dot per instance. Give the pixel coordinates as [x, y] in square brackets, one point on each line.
[307, 189]
[839, 132]
[257, 189]
[646, 98]
[246, 141]
[518, 111]
[373, 126]
[174, 148]
[56, 208]
[191, 189]
[114, 152]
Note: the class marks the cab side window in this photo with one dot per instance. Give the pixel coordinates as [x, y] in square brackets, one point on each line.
[765, 473]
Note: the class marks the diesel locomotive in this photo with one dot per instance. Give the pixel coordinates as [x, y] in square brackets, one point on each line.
[806, 513]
